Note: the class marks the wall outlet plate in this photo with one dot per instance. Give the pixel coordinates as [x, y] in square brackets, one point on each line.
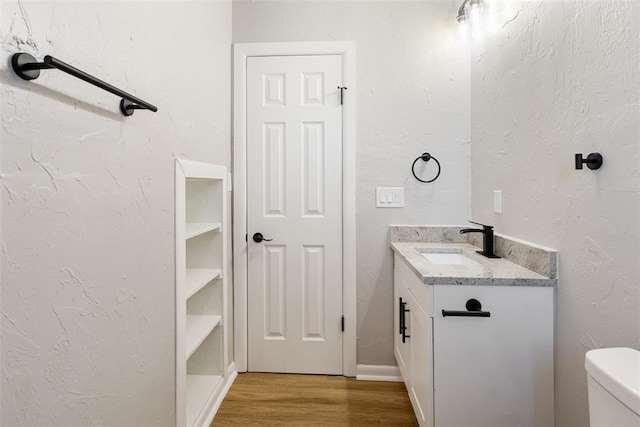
[497, 201]
[389, 197]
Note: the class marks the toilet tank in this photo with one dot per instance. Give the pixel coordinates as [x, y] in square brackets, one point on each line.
[613, 376]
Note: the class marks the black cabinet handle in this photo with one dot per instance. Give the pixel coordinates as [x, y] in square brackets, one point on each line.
[403, 324]
[454, 313]
[400, 316]
[474, 309]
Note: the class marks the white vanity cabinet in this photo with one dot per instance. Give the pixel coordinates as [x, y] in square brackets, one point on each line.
[413, 342]
[475, 371]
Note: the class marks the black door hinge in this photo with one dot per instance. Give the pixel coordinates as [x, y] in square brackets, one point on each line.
[342, 324]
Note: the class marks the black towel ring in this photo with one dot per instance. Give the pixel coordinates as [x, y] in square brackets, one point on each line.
[425, 157]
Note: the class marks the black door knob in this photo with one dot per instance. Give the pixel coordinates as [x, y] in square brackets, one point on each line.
[258, 237]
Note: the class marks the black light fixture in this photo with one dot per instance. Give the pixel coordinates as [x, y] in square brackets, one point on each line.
[463, 11]
[462, 14]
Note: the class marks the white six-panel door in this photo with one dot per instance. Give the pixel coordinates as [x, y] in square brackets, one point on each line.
[294, 197]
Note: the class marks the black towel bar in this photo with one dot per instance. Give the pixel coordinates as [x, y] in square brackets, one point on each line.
[474, 309]
[27, 68]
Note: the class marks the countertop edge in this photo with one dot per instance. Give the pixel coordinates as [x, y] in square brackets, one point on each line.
[474, 281]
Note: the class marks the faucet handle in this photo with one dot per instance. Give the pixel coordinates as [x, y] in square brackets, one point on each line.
[486, 227]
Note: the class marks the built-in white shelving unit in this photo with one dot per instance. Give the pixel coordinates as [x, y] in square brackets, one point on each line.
[199, 327]
[197, 278]
[203, 371]
[194, 229]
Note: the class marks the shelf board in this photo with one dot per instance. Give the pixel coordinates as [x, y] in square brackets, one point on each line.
[199, 390]
[193, 229]
[197, 278]
[198, 329]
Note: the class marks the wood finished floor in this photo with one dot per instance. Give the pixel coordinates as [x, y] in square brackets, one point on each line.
[313, 400]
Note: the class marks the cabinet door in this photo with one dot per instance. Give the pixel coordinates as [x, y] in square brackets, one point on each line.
[494, 371]
[401, 349]
[421, 385]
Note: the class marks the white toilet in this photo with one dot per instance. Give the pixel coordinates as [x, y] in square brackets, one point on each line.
[613, 376]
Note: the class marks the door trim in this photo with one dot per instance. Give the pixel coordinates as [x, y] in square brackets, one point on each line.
[241, 52]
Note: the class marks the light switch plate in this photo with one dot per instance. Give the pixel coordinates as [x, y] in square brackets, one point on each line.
[497, 201]
[389, 197]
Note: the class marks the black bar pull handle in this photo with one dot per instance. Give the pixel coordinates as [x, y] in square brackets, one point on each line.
[454, 313]
[403, 328]
[474, 309]
[400, 315]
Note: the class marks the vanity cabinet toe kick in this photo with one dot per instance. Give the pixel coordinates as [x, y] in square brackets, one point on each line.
[474, 355]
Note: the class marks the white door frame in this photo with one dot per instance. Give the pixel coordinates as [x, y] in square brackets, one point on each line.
[241, 52]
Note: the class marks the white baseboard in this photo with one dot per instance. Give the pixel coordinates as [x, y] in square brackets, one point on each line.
[232, 371]
[211, 413]
[378, 373]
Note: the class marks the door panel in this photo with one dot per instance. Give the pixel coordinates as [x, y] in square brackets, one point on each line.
[294, 197]
[313, 169]
[421, 387]
[275, 290]
[314, 290]
[274, 167]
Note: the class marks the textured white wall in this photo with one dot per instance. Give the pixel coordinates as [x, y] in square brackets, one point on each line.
[87, 309]
[562, 78]
[413, 96]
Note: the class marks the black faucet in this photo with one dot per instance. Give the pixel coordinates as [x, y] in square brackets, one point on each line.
[487, 238]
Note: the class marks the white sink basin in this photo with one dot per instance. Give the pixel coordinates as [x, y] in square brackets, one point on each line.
[448, 257]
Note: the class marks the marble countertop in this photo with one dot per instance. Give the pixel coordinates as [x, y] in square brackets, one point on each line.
[487, 272]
